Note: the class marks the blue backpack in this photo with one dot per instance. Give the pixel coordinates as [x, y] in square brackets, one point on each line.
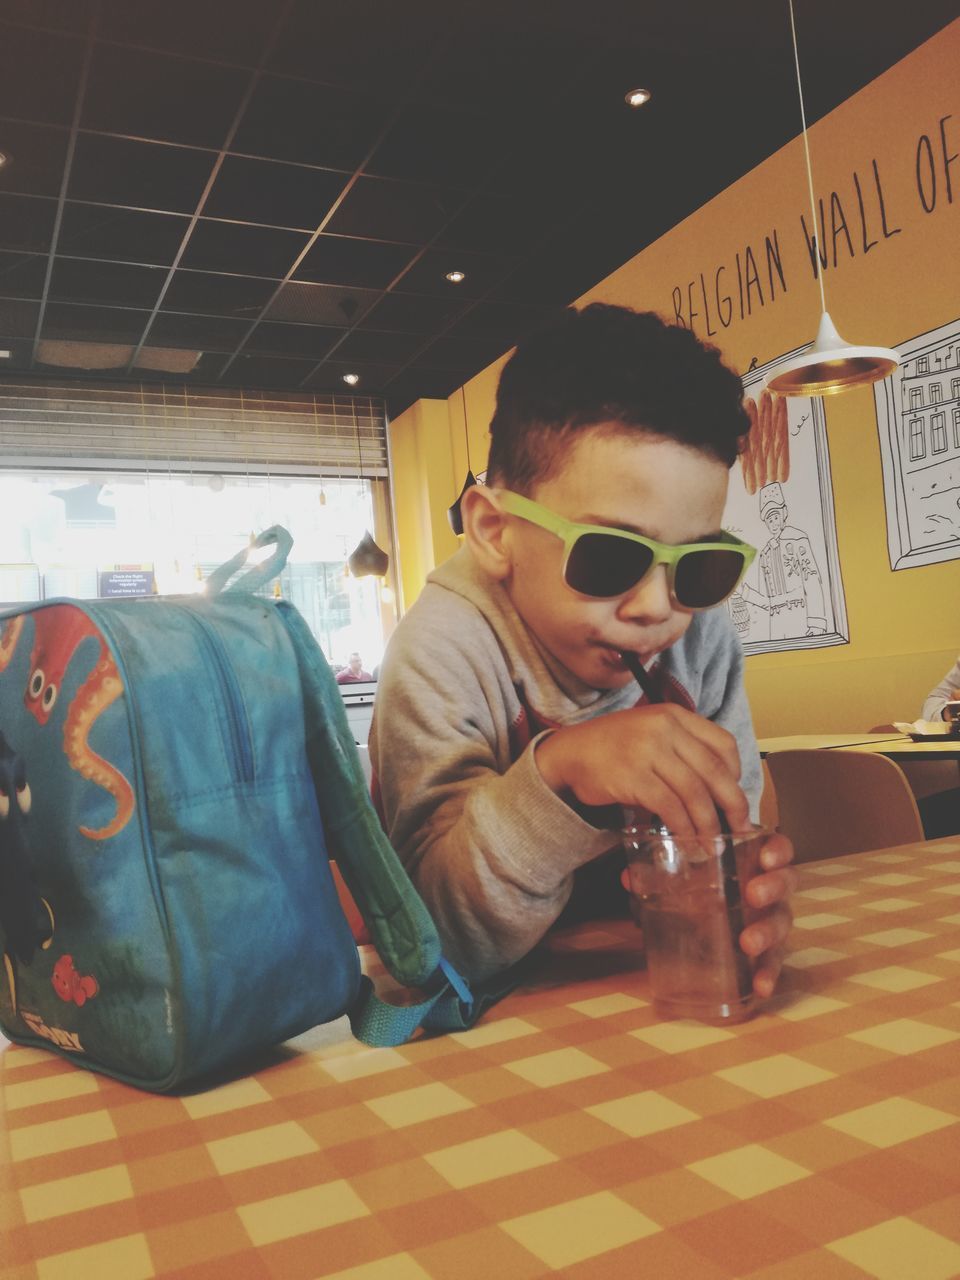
[175, 774]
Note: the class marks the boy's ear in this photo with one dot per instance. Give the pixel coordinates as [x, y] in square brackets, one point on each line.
[484, 530]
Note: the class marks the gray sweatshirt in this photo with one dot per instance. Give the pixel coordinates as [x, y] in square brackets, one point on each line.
[465, 692]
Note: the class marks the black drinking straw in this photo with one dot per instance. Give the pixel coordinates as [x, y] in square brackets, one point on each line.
[642, 676]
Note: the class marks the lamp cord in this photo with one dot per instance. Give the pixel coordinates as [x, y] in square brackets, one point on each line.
[806, 149]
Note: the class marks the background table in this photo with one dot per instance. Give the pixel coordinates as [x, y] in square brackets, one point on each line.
[896, 746]
[570, 1132]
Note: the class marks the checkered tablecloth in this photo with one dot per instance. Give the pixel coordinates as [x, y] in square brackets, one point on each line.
[571, 1132]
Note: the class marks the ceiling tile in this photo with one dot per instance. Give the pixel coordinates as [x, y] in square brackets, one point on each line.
[243, 297]
[364, 44]
[413, 313]
[39, 73]
[308, 340]
[142, 175]
[26, 222]
[154, 95]
[112, 283]
[389, 210]
[311, 123]
[373, 377]
[321, 304]
[93, 324]
[18, 319]
[103, 231]
[463, 353]
[497, 224]
[225, 30]
[205, 333]
[340, 260]
[22, 275]
[427, 145]
[269, 371]
[35, 158]
[380, 348]
[231, 246]
[508, 320]
[275, 194]
[482, 273]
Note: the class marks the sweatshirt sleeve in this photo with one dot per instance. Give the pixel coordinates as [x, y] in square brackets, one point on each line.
[723, 698]
[491, 849]
[946, 691]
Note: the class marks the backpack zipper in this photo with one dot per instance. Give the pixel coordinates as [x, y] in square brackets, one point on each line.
[236, 717]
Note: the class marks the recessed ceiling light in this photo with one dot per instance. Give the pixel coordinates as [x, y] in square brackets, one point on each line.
[5, 355]
[455, 277]
[351, 379]
[636, 97]
[4, 159]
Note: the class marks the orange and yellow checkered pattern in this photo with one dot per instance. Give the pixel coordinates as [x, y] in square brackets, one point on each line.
[570, 1133]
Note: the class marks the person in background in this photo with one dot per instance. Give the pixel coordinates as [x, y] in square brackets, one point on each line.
[940, 810]
[353, 672]
[508, 732]
[948, 690]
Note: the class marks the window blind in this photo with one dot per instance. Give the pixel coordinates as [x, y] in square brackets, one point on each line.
[181, 428]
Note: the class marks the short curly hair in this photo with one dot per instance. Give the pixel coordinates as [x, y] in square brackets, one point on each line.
[610, 365]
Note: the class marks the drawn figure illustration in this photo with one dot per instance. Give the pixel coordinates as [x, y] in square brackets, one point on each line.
[58, 633]
[26, 920]
[71, 985]
[792, 592]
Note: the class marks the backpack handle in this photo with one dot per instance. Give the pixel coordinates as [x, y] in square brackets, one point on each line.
[260, 574]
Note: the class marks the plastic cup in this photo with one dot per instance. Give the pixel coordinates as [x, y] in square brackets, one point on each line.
[688, 895]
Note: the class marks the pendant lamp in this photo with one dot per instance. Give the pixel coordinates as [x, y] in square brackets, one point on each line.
[453, 512]
[831, 364]
[366, 558]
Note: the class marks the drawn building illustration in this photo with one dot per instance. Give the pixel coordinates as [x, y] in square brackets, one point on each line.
[918, 418]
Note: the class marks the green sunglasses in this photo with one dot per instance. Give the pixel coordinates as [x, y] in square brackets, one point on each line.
[604, 563]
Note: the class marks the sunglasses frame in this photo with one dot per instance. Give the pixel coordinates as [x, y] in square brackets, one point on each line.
[568, 531]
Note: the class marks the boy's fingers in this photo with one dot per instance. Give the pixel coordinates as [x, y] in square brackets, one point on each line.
[777, 852]
[767, 934]
[770, 887]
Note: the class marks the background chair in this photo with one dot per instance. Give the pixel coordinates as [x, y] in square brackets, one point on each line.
[834, 802]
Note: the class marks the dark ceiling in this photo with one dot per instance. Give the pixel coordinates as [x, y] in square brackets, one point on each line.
[282, 187]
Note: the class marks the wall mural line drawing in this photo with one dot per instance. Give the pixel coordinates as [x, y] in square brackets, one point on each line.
[918, 418]
[781, 500]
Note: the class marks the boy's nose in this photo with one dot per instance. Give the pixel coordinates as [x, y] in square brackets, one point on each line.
[649, 601]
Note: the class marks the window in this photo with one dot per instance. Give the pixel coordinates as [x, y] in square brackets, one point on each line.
[108, 533]
[956, 428]
[936, 393]
[916, 397]
[918, 448]
[955, 389]
[938, 433]
[923, 364]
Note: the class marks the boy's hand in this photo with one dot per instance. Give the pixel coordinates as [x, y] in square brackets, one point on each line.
[769, 892]
[664, 759]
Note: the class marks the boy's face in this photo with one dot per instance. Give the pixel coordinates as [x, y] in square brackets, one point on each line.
[644, 484]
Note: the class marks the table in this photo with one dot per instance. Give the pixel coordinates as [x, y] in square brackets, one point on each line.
[570, 1132]
[895, 745]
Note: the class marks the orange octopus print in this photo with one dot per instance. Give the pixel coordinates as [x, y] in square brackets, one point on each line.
[58, 633]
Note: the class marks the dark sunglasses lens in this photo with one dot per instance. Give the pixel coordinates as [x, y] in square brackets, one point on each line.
[704, 578]
[602, 565]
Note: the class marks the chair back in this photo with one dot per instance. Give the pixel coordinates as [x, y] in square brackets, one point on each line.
[835, 802]
[769, 812]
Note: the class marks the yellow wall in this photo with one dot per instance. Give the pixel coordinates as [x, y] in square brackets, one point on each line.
[897, 274]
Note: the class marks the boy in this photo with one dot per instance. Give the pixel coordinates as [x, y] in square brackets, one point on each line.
[506, 735]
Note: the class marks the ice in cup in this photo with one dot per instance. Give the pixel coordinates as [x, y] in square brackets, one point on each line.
[688, 895]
